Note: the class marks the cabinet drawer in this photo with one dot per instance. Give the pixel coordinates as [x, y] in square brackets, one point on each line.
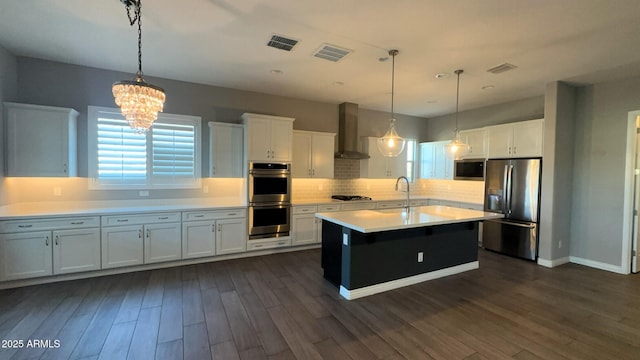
[267, 244]
[307, 209]
[418, 202]
[389, 204]
[133, 219]
[358, 206]
[214, 214]
[12, 226]
[328, 208]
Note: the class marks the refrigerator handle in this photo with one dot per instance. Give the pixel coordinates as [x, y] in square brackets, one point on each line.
[509, 189]
[505, 182]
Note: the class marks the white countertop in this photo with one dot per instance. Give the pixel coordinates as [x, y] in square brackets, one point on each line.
[368, 221]
[75, 208]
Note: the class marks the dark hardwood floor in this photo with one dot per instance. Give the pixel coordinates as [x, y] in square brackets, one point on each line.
[279, 307]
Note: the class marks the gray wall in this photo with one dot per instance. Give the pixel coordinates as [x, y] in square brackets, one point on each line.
[441, 127]
[599, 169]
[557, 171]
[57, 84]
[8, 91]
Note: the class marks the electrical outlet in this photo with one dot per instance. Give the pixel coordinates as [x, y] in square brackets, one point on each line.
[57, 191]
[144, 193]
[345, 239]
[420, 257]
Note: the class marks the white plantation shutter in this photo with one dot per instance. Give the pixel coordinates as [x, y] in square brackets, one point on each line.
[165, 157]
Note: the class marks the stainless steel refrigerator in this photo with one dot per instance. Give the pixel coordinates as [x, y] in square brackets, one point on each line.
[512, 188]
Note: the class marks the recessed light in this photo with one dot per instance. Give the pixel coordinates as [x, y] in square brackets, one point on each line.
[487, 87]
[276, 72]
[442, 75]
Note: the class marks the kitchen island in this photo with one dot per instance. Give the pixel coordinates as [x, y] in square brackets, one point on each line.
[365, 252]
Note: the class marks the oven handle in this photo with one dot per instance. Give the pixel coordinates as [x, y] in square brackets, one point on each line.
[271, 175]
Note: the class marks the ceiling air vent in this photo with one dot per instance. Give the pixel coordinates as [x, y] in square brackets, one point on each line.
[281, 42]
[499, 69]
[331, 52]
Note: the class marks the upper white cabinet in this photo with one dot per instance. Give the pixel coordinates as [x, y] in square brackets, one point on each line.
[41, 140]
[313, 154]
[268, 138]
[379, 166]
[434, 163]
[226, 144]
[520, 139]
[477, 141]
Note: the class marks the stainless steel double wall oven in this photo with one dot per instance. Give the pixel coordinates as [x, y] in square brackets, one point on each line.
[269, 200]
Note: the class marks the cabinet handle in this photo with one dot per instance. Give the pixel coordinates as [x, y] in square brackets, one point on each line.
[509, 150]
[268, 154]
[163, 217]
[231, 214]
[257, 246]
[514, 150]
[64, 168]
[313, 172]
[122, 220]
[282, 242]
[219, 227]
[213, 228]
[214, 170]
[77, 222]
[140, 234]
[309, 172]
[25, 226]
[147, 233]
[57, 238]
[198, 216]
[46, 240]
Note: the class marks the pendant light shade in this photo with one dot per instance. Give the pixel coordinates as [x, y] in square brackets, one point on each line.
[139, 101]
[457, 148]
[391, 144]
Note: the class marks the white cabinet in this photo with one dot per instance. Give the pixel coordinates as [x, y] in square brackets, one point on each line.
[520, 139]
[136, 239]
[304, 227]
[379, 166]
[312, 154]
[477, 141]
[42, 247]
[268, 138]
[434, 162]
[226, 144]
[217, 232]
[41, 141]
[390, 204]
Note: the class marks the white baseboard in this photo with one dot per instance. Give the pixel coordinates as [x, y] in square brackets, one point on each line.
[395, 284]
[553, 263]
[598, 265]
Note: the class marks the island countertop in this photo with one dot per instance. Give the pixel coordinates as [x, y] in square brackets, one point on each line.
[368, 221]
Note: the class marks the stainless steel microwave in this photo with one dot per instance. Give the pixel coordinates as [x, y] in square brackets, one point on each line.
[468, 169]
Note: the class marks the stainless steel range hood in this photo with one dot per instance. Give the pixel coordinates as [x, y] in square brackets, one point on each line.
[348, 133]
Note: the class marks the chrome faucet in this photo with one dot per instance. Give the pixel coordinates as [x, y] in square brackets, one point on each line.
[406, 205]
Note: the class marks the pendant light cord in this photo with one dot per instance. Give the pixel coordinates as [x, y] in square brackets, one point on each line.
[457, 72]
[393, 54]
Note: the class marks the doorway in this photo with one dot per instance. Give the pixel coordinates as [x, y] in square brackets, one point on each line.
[633, 177]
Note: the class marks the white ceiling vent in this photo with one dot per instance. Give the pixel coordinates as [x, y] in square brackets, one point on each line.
[499, 69]
[331, 52]
[282, 42]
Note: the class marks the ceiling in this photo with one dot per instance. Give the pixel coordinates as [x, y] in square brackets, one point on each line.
[223, 43]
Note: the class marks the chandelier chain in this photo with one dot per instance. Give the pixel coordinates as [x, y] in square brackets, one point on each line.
[132, 20]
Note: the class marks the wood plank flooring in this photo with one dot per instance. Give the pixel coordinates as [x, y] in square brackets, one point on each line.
[280, 307]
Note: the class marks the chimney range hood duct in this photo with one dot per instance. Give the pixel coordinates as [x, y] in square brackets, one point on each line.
[348, 133]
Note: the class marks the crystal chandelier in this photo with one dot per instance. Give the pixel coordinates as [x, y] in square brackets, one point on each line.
[391, 144]
[457, 147]
[139, 101]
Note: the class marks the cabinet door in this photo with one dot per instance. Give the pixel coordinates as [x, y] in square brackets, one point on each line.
[443, 165]
[427, 160]
[226, 144]
[162, 242]
[122, 246]
[397, 166]
[500, 139]
[25, 255]
[232, 236]
[375, 167]
[76, 250]
[198, 239]
[281, 140]
[527, 138]
[322, 156]
[477, 140]
[301, 164]
[40, 141]
[259, 139]
[304, 229]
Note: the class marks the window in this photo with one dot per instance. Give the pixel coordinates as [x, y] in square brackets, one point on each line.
[411, 160]
[165, 157]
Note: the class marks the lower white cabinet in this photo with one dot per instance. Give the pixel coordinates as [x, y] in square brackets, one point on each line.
[217, 232]
[304, 227]
[43, 247]
[145, 239]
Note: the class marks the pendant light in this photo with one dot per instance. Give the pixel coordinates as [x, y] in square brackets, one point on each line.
[139, 101]
[457, 147]
[391, 144]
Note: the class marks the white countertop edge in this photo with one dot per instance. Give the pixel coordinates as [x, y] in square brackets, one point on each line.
[374, 221]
